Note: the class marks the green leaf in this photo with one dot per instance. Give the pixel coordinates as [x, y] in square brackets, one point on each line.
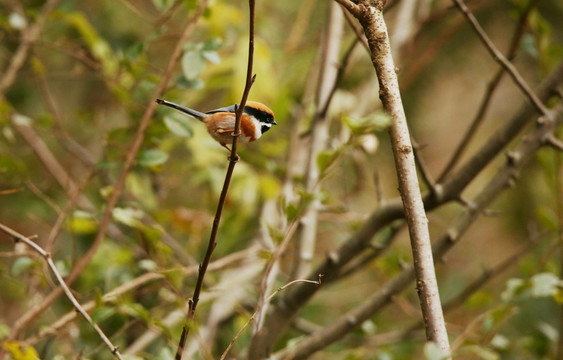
[213, 44]
[500, 342]
[325, 159]
[513, 287]
[136, 311]
[482, 352]
[548, 218]
[192, 64]
[128, 216]
[162, 5]
[21, 265]
[4, 330]
[148, 265]
[134, 51]
[211, 56]
[99, 47]
[82, 223]
[529, 45]
[545, 284]
[179, 125]
[291, 211]
[62, 267]
[20, 351]
[104, 313]
[264, 254]
[165, 353]
[368, 124]
[140, 185]
[17, 21]
[152, 157]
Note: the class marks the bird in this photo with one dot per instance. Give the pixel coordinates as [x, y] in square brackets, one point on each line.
[256, 119]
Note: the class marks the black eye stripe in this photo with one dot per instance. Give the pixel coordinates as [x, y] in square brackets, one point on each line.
[261, 115]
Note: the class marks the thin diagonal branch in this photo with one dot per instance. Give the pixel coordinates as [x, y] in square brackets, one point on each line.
[131, 285]
[267, 300]
[498, 56]
[488, 96]
[47, 257]
[233, 159]
[349, 5]
[30, 35]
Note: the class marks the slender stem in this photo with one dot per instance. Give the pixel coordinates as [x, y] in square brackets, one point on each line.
[267, 300]
[233, 159]
[47, 257]
[487, 98]
[498, 56]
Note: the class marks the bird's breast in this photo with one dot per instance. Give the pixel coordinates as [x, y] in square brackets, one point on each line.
[221, 126]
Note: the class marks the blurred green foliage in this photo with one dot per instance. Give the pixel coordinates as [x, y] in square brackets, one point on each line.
[85, 86]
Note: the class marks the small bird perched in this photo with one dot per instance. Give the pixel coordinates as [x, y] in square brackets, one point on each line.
[256, 119]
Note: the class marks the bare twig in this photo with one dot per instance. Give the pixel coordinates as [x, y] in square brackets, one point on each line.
[233, 159]
[268, 277]
[357, 30]
[498, 56]
[488, 96]
[353, 8]
[135, 284]
[29, 36]
[68, 142]
[555, 142]
[23, 126]
[267, 300]
[47, 257]
[424, 171]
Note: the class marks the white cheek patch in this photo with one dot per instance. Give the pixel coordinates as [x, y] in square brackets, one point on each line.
[257, 127]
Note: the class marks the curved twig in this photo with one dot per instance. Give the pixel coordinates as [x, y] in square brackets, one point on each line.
[49, 260]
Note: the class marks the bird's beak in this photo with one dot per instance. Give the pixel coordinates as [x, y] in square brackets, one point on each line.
[275, 123]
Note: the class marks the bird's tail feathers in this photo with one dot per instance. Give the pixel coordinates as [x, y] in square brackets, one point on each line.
[193, 113]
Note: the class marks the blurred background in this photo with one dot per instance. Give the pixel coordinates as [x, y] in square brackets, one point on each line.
[71, 109]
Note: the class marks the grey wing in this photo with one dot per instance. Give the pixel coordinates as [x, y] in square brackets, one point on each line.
[223, 109]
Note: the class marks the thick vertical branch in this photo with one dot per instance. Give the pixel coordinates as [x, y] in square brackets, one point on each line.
[370, 15]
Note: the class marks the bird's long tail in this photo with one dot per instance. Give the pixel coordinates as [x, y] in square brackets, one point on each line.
[193, 113]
